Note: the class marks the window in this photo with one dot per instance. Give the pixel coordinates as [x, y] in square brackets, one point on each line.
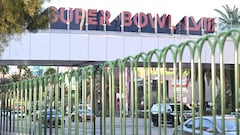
[189, 124]
[207, 124]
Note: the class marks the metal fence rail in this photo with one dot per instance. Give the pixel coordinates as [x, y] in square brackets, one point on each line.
[116, 97]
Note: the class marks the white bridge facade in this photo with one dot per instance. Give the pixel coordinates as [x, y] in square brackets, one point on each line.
[73, 47]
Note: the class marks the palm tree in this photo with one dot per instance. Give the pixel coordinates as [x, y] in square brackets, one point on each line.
[230, 18]
[27, 73]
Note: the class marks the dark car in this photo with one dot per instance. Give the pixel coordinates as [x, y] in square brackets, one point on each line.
[208, 126]
[170, 113]
[56, 116]
[87, 113]
[18, 114]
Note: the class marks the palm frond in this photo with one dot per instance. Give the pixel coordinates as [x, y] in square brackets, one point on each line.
[224, 16]
[230, 17]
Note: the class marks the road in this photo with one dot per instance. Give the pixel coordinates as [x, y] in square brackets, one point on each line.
[117, 128]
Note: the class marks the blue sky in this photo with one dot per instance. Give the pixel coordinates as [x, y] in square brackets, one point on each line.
[176, 8]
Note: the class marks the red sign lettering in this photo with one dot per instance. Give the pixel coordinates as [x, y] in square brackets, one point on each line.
[92, 17]
[76, 18]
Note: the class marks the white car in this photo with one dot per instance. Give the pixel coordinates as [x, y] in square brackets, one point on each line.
[208, 126]
[156, 107]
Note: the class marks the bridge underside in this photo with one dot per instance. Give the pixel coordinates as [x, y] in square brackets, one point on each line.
[85, 63]
[48, 62]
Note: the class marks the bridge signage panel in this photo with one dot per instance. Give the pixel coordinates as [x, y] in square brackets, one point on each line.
[93, 19]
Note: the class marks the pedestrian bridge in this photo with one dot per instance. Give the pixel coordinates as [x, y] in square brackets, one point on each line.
[110, 99]
[72, 48]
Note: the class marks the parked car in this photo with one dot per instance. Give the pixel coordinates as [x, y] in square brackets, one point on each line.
[4, 113]
[208, 126]
[18, 114]
[187, 113]
[87, 113]
[14, 114]
[235, 114]
[54, 117]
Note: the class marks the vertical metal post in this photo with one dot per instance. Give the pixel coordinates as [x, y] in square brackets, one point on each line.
[91, 72]
[11, 108]
[46, 101]
[34, 106]
[213, 73]
[164, 97]
[84, 99]
[76, 75]
[95, 99]
[136, 98]
[112, 95]
[30, 107]
[21, 104]
[25, 106]
[56, 90]
[69, 101]
[103, 95]
[7, 111]
[51, 91]
[159, 99]
[236, 87]
[223, 90]
[120, 74]
[193, 93]
[62, 85]
[149, 92]
[200, 90]
[18, 89]
[14, 105]
[40, 106]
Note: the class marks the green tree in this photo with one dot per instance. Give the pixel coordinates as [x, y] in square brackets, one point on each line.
[18, 16]
[50, 71]
[24, 73]
[230, 17]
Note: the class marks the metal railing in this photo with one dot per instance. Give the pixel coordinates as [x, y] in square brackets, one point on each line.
[116, 97]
